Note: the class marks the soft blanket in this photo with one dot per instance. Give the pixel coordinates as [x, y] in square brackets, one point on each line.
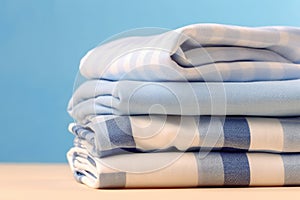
[170, 169]
[107, 136]
[200, 52]
[263, 98]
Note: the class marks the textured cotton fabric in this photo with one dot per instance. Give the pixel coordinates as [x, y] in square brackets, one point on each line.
[263, 98]
[216, 52]
[108, 136]
[185, 169]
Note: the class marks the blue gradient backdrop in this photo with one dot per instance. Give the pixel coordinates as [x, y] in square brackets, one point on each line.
[42, 41]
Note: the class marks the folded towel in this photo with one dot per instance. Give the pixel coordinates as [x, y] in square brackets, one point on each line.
[107, 136]
[264, 98]
[171, 169]
[200, 52]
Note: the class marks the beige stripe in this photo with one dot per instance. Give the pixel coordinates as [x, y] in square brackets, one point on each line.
[183, 172]
[159, 132]
[284, 38]
[265, 169]
[266, 134]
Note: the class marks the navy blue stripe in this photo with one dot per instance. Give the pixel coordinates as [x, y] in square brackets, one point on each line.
[203, 123]
[236, 169]
[291, 168]
[236, 133]
[119, 131]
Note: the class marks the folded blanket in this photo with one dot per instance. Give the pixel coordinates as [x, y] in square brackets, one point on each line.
[116, 135]
[200, 52]
[185, 169]
[264, 98]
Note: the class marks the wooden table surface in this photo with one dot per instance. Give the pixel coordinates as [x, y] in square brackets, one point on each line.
[55, 181]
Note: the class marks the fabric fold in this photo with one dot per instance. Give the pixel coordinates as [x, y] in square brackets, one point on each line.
[140, 58]
[153, 170]
[155, 133]
[267, 98]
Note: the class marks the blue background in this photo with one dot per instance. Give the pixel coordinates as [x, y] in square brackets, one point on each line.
[42, 41]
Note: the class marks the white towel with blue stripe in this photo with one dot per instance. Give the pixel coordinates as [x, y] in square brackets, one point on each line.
[191, 169]
[112, 135]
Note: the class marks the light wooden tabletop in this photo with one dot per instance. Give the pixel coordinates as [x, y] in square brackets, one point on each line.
[55, 181]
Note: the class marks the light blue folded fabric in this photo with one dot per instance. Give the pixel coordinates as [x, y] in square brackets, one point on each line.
[269, 98]
[199, 52]
[209, 55]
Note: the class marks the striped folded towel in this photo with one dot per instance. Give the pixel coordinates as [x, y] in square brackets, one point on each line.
[171, 169]
[203, 105]
[108, 136]
[200, 52]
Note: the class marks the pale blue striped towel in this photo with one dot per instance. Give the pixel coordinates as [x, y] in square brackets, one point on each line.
[113, 135]
[217, 52]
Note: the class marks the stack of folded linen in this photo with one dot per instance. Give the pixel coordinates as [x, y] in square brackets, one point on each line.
[203, 105]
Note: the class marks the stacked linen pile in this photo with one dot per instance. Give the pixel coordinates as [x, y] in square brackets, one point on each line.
[204, 105]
